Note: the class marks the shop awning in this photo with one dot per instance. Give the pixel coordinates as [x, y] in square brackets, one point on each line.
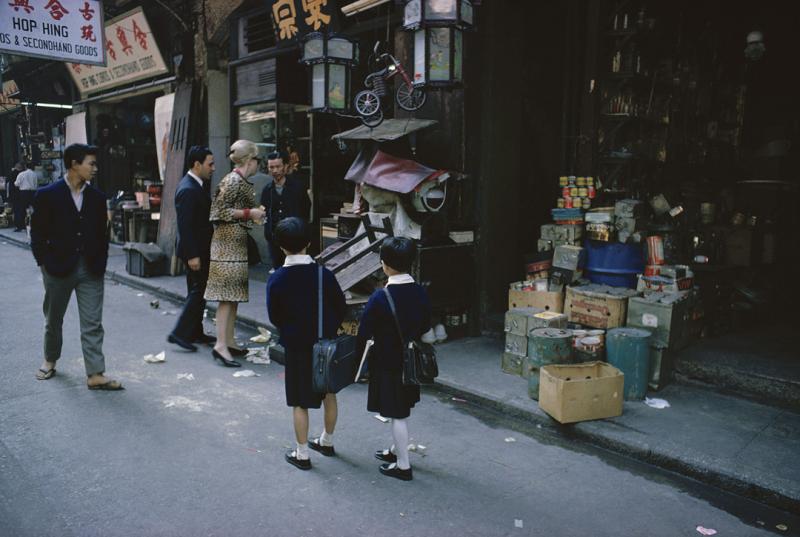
[390, 129]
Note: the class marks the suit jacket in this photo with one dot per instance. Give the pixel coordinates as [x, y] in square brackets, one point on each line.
[293, 201]
[193, 205]
[60, 234]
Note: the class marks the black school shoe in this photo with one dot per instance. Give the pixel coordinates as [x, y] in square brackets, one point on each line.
[393, 471]
[385, 455]
[292, 459]
[315, 444]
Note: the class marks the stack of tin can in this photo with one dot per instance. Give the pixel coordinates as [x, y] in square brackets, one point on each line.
[576, 192]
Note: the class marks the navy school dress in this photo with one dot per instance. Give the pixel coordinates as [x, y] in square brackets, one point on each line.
[292, 307]
[387, 394]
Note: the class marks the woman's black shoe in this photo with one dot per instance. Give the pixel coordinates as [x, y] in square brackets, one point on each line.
[225, 361]
[238, 353]
[391, 470]
[385, 455]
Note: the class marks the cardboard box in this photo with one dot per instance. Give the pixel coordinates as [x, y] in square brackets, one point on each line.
[568, 257]
[544, 300]
[666, 315]
[590, 391]
[546, 319]
[571, 233]
[595, 306]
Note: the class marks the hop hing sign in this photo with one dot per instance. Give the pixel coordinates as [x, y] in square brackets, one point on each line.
[64, 30]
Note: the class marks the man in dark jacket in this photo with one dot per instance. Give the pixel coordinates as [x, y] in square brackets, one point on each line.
[192, 205]
[284, 196]
[69, 239]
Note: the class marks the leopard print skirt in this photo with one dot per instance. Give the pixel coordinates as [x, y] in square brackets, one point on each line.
[228, 275]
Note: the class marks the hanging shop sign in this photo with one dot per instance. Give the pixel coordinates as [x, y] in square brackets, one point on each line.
[132, 55]
[8, 99]
[66, 30]
[293, 19]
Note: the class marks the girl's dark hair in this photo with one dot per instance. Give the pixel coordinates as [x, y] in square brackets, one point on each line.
[291, 234]
[398, 253]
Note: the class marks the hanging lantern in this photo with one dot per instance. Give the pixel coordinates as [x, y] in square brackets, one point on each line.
[331, 59]
[438, 39]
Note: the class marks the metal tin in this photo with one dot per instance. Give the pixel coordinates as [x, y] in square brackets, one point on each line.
[512, 363]
[560, 203]
[581, 181]
[577, 203]
[565, 192]
[571, 179]
[587, 203]
[546, 346]
[591, 192]
[567, 203]
[573, 191]
[577, 335]
[655, 250]
[563, 180]
[628, 349]
[590, 181]
[652, 270]
[583, 191]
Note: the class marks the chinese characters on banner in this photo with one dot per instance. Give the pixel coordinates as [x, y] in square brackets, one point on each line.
[61, 30]
[295, 18]
[132, 55]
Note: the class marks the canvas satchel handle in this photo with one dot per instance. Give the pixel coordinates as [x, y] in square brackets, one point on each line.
[394, 315]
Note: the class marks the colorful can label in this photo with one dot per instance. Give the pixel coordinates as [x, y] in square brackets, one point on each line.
[590, 192]
[587, 203]
[567, 203]
[573, 191]
[565, 192]
[581, 181]
[560, 203]
[583, 192]
[563, 180]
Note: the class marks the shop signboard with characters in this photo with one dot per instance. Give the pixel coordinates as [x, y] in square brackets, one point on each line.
[132, 55]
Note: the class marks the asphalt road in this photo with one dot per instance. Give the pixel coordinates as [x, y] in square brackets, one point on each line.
[176, 457]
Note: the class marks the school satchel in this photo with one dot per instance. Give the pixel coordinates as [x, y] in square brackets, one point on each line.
[334, 361]
[419, 358]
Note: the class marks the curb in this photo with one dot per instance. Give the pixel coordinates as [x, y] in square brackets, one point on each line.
[719, 479]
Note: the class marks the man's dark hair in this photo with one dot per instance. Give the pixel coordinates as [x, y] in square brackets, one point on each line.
[197, 153]
[77, 153]
[278, 155]
[398, 253]
[291, 234]
[30, 165]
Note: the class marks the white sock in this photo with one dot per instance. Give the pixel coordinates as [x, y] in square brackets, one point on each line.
[302, 451]
[326, 439]
[400, 448]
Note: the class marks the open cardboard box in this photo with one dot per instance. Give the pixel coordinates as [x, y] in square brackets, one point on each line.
[580, 392]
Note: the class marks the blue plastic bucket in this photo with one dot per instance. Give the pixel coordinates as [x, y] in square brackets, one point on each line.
[614, 263]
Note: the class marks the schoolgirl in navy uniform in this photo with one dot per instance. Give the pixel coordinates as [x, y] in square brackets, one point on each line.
[387, 394]
[292, 306]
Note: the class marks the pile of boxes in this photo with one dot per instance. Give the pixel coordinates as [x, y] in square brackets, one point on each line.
[624, 222]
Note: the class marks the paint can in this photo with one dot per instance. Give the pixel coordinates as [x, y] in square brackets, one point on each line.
[655, 250]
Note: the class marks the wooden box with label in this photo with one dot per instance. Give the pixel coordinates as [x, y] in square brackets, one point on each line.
[598, 306]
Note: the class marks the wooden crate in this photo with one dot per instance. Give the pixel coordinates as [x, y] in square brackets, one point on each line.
[590, 306]
[544, 300]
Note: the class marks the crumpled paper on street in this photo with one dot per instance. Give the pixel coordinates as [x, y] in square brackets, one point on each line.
[263, 336]
[246, 373]
[654, 402]
[258, 355]
[705, 531]
[185, 376]
[156, 358]
[417, 448]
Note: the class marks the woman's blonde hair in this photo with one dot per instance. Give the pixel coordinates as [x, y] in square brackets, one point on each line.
[242, 151]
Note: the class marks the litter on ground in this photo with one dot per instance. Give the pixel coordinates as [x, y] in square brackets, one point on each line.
[655, 402]
[263, 336]
[246, 373]
[156, 358]
[517, 523]
[381, 418]
[705, 531]
[458, 400]
[185, 376]
[510, 439]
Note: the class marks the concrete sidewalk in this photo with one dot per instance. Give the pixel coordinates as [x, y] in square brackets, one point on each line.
[737, 445]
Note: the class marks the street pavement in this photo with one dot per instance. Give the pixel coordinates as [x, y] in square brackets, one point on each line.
[171, 456]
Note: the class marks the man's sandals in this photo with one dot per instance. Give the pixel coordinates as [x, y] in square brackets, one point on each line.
[111, 385]
[44, 374]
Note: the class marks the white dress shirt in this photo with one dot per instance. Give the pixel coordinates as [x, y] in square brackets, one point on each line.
[78, 198]
[400, 279]
[298, 260]
[199, 181]
[27, 180]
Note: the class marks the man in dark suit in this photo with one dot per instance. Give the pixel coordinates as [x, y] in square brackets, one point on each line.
[192, 205]
[284, 196]
[69, 239]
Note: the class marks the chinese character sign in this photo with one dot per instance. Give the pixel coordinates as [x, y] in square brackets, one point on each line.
[295, 18]
[131, 51]
[61, 30]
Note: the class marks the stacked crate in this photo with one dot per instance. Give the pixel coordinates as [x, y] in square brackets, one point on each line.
[519, 356]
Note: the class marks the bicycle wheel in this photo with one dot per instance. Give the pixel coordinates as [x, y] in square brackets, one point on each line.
[410, 98]
[374, 120]
[367, 103]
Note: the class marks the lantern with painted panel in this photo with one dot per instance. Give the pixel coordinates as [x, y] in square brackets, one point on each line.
[331, 59]
[438, 27]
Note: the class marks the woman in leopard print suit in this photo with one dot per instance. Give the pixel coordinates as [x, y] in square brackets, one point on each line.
[232, 214]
